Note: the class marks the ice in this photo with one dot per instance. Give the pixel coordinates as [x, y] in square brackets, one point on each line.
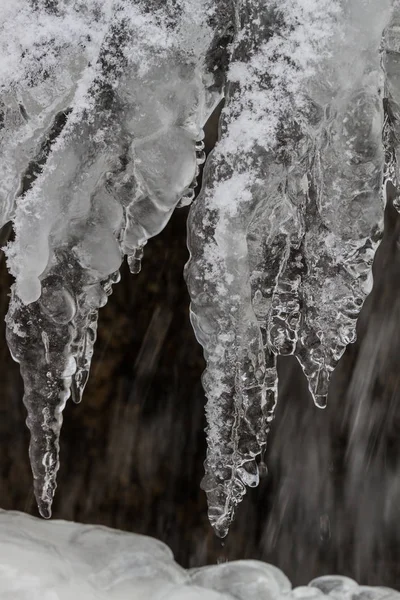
[60, 560]
[343, 217]
[45, 58]
[63, 560]
[102, 110]
[243, 579]
[335, 585]
[391, 65]
[283, 235]
[344, 588]
[127, 153]
[192, 593]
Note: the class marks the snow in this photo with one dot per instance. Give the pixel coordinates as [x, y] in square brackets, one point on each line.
[61, 560]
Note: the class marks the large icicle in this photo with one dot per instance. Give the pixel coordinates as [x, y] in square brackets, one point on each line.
[240, 231]
[128, 152]
[224, 321]
[283, 236]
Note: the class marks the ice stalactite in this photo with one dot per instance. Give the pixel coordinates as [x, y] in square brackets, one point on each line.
[222, 314]
[283, 236]
[102, 110]
[127, 154]
[238, 231]
[391, 66]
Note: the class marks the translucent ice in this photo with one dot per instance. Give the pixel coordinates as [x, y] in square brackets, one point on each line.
[45, 59]
[244, 579]
[283, 235]
[60, 560]
[343, 213]
[127, 153]
[102, 108]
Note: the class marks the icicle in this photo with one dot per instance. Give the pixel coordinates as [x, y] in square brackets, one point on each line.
[40, 345]
[344, 209]
[53, 339]
[127, 153]
[284, 234]
[391, 66]
[86, 328]
[65, 248]
[239, 385]
[224, 322]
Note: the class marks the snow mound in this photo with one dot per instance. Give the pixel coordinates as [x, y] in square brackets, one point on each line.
[60, 560]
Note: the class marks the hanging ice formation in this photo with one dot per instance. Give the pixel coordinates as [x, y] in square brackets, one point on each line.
[283, 236]
[102, 108]
[133, 101]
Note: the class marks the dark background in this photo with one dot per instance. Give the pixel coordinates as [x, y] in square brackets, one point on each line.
[132, 452]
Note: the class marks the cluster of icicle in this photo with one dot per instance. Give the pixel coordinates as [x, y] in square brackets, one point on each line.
[101, 139]
[284, 233]
[102, 107]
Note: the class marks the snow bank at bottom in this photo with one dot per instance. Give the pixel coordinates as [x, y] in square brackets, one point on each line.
[59, 560]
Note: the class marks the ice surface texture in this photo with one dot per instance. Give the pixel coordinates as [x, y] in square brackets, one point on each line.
[102, 109]
[63, 561]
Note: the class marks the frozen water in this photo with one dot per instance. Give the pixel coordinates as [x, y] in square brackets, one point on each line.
[243, 579]
[126, 155]
[343, 227]
[338, 587]
[46, 57]
[102, 108]
[391, 65]
[60, 560]
[283, 235]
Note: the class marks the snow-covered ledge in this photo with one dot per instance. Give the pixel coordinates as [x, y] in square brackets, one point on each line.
[60, 560]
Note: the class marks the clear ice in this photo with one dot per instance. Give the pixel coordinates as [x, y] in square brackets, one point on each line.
[102, 109]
